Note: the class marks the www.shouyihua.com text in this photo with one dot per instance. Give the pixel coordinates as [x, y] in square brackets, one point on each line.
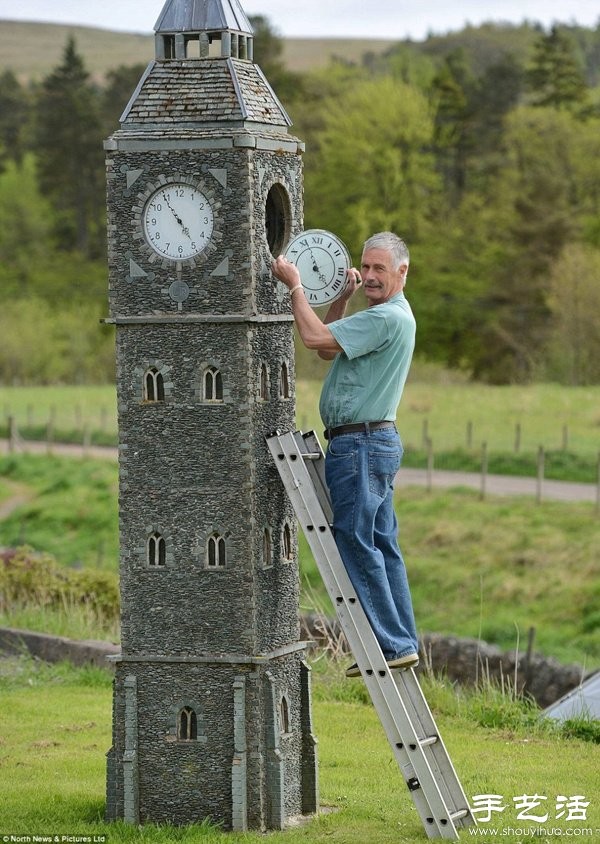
[515, 833]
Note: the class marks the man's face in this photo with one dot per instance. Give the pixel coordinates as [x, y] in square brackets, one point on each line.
[380, 281]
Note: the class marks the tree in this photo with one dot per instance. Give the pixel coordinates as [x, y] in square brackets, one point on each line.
[451, 89]
[496, 92]
[537, 199]
[555, 77]
[371, 169]
[574, 303]
[268, 51]
[120, 84]
[14, 114]
[68, 144]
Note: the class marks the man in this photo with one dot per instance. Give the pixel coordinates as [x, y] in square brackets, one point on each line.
[371, 352]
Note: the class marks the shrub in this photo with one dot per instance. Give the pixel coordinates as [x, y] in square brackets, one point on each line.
[28, 578]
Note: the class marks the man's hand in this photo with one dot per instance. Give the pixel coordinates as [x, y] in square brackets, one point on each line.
[354, 281]
[286, 272]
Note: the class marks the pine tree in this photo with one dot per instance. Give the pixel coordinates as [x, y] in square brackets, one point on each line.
[555, 77]
[68, 144]
[453, 141]
[14, 113]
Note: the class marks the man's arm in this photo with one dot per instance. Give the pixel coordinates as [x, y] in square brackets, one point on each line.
[314, 332]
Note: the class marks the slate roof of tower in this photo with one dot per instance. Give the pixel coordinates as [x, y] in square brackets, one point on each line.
[201, 16]
[204, 92]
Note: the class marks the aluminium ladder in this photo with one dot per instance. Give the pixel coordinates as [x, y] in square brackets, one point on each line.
[396, 694]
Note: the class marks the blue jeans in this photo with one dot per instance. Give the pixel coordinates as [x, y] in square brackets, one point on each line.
[360, 471]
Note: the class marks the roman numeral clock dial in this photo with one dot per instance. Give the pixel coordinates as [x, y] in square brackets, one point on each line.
[322, 261]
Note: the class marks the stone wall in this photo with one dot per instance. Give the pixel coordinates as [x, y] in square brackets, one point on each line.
[470, 661]
[464, 661]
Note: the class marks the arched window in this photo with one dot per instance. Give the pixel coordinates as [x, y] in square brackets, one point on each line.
[154, 385]
[267, 548]
[286, 542]
[284, 716]
[187, 725]
[156, 551]
[264, 382]
[213, 384]
[284, 382]
[215, 552]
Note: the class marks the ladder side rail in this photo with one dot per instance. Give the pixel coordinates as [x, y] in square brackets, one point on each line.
[378, 677]
[455, 797]
[309, 444]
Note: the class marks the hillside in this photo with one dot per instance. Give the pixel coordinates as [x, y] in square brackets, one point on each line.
[31, 50]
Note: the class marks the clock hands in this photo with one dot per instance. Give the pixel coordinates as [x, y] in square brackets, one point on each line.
[322, 276]
[184, 228]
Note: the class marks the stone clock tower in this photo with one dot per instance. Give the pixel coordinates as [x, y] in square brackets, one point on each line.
[211, 714]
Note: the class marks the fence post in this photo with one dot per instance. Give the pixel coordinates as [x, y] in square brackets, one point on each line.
[484, 470]
[425, 433]
[87, 439]
[541, 460]
[429, 464]
[517, 437]
[50, 435]
[528, 666]
[565, 438]
[12, 434]
[469, 435]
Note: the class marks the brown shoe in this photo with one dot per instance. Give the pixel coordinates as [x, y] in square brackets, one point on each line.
[400, 663]
[404, 662]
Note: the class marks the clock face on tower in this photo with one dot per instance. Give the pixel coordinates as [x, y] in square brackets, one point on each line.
[322, 261]
[178, 221]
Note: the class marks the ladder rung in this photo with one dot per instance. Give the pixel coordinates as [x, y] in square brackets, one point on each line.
[462, 813]
[424, 742]
[312, 455]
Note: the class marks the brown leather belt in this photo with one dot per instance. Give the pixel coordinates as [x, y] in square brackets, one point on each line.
[358, 428]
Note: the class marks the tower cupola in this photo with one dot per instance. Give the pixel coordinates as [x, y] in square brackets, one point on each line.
[201, 29]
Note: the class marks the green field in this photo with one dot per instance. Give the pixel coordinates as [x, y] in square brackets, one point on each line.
[57, 753]
[66, 408]
[452, 414]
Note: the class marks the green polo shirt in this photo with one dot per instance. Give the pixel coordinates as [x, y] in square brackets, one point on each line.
[366, 380]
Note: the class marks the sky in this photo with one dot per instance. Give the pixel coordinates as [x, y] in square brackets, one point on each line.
[389, 19]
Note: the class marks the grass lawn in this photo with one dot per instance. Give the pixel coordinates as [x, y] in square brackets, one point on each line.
[455, 415]
[55, 730]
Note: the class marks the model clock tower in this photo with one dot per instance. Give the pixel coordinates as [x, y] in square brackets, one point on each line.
[211, 715]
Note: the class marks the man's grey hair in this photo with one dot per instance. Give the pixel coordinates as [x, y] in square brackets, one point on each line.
[392, 244]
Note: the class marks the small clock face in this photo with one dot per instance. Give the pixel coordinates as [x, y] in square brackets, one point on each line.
[322, 261]
[178, 221]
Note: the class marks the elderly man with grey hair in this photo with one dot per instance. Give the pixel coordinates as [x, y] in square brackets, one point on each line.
[371, 352]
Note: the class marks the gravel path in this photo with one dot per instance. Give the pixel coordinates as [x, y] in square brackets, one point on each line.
[500, 484]
[494, 484]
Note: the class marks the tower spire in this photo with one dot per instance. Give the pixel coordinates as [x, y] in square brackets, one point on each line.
[182, 22]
